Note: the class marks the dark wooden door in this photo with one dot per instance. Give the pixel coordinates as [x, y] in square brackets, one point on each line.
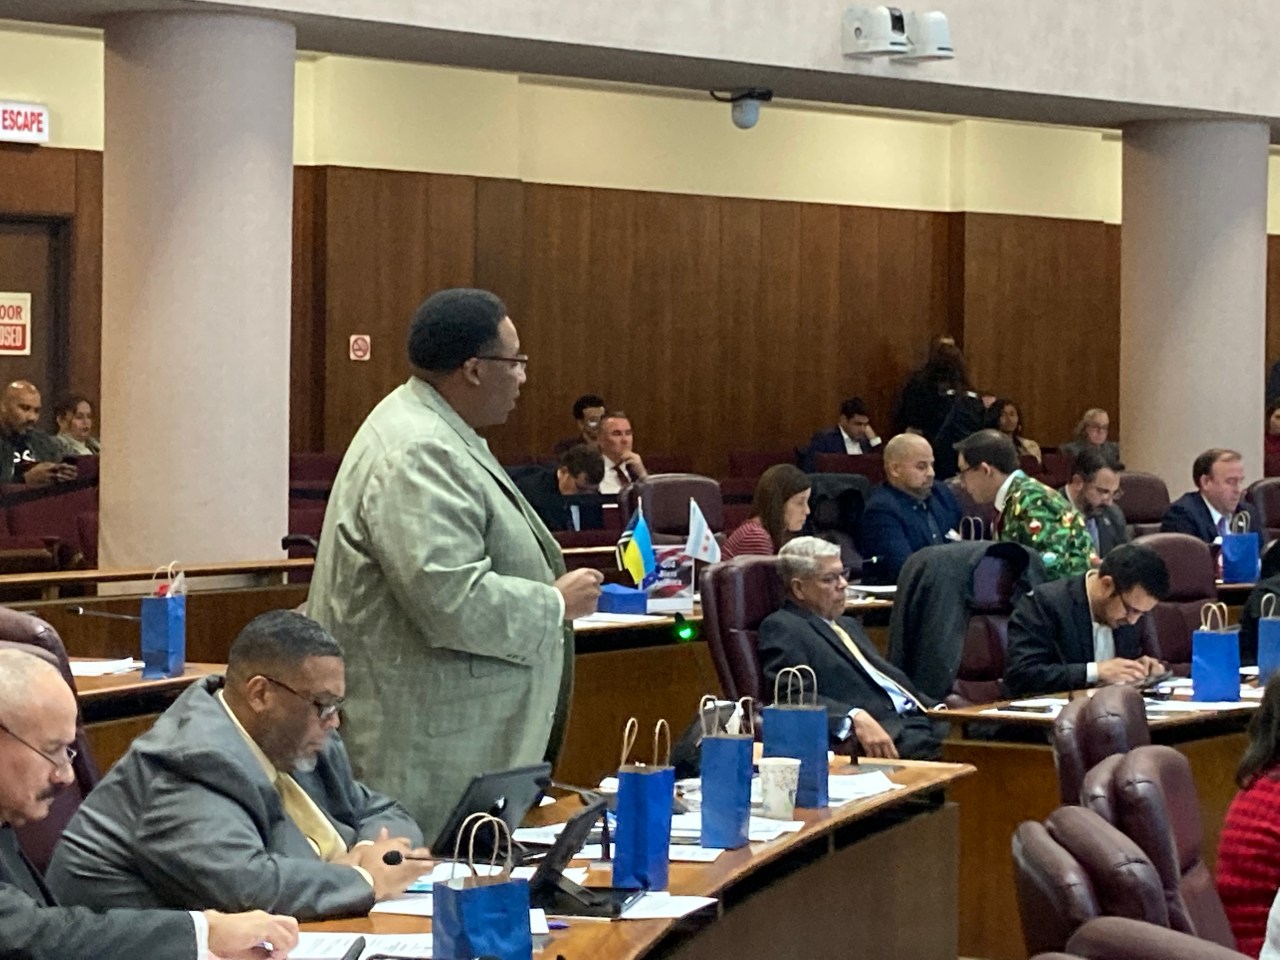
[34, 260]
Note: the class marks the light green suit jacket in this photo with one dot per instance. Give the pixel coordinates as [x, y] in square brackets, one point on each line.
[436, 576]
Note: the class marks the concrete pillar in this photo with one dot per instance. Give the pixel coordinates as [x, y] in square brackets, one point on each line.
[1193, 294]
[197, 214]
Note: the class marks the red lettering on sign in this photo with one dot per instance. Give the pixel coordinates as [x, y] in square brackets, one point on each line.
[13, 336]
[10, 311]
[22, 121]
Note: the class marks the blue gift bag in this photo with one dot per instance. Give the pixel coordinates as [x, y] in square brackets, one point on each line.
[642, 834]
[726, 778]
[796, 726]
[476, 916]
[1215, 657]
[164, 636]
[1268, 639]
[1240, 554]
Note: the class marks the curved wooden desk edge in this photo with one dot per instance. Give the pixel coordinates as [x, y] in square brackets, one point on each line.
[114, 686]
[49, 583]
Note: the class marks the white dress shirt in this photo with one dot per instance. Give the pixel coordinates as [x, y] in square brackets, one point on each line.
[1104, 643]
[855, 447]
[611, 482]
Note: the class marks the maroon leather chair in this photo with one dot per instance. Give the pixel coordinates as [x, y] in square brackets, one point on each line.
[1118, 938]
[53, 517]
[1167, 629]
[1090, 729]
[869, 465]
[668, 463]
[38, 839]
[1057, 468]
[1265, 495]
[1075, 867]
[666, 504]
[736, 596]
[1150, 795]
[987, 637]
[1144, 502]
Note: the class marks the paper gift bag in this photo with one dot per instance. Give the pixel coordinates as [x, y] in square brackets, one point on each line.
[164, 628]
[475, 916]
[726, 776]
[972, 528]
[1215, 657]
[642, 836]
[1268, 639]
[795, 725]
[1240, 552]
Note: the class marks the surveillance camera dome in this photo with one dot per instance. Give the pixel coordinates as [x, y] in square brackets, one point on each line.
[745, 113]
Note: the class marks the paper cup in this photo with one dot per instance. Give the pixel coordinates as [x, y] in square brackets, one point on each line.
[779, 777]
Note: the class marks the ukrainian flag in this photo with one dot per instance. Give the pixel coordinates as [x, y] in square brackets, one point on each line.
[635, 549]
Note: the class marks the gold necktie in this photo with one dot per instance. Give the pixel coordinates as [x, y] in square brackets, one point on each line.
[315, 826]
[881, 679]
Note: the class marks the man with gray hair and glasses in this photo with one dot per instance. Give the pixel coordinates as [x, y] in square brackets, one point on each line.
[242, 796]
[866, 696]
[37, 728]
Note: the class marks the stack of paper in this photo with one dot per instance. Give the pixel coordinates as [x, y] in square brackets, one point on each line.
[104, 668]
[334, 946]
[859, 786]
[660, 905]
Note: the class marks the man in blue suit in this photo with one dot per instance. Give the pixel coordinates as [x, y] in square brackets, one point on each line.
[1207, 512]
[853, 434]
[909, 511]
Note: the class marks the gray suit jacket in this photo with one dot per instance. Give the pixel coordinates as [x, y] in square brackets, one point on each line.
[187, 818]
[436, 576]
[34, 927]
[1112, 529]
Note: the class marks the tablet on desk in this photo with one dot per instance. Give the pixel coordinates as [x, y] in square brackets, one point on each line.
[552, 891]
[506, 794]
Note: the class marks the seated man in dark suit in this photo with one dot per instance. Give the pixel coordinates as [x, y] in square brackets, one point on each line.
[1073, 633]
[1094, 487]
[242, 795]
[908, 512]
[865, 696]
[587, 411]
[1207, 512]
[558, 494]
[852, 434]
[37, 726]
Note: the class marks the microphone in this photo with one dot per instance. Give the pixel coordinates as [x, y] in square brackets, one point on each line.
[82, 612]
[393, 858]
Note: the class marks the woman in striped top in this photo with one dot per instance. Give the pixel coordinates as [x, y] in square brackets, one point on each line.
[778, 511]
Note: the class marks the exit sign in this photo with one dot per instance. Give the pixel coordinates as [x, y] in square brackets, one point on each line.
[24, 122]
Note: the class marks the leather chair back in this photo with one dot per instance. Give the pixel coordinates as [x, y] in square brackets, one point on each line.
[869, 465]
[1118, 938]
[1168, 627]
[736, 596]
[38, 838]
[1090, 729]
[1153, 800]
[1145, 501]
[1265, 495]
[994, 587]
[666, 503]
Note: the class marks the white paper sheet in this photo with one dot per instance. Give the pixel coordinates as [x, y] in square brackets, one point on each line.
[859, 786]
[104, 668]
[688, 826]
[597, 621]
[333, 946]
[872, 590]
[1196, 706]
[657, 905]
[687, 853]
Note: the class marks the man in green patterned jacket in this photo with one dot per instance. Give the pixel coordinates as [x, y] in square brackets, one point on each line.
[1028, 512]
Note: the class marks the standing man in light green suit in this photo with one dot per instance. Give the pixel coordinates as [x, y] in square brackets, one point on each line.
[447, 592]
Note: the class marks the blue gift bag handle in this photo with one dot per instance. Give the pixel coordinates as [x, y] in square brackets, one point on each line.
[795, 675]
[708, 715]
[1207, 613]
[661, 729]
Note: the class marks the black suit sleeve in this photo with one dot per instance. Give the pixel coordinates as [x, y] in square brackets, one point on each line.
[779, 648]
[1035, 662]
[1178, 519]
[855, 631]
[32, 931]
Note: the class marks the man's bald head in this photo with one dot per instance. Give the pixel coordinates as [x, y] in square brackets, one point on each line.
[19, 407]
[908, 464]
[38, 720]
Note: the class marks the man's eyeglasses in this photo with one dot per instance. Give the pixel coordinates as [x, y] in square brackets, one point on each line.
[1133, 613]
[1113, 495]
[68, 757]
[831, 579]
[325, 711]
[521, 361]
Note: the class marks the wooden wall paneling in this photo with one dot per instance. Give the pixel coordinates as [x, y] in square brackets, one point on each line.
[1039, 325]
[499, 241]
[306, 340]
[782, 347]
[391, 239]
[84, 317]
[747, 382]
[37, 181]
[564, 339]
[1110, 307]
[815, 404]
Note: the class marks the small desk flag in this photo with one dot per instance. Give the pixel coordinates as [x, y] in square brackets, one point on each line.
[635, 550]
[701, 544]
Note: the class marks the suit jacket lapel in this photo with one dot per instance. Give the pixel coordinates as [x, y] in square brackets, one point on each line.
[480, 452]
[16, 869]
[1082, 626]
[824, 630]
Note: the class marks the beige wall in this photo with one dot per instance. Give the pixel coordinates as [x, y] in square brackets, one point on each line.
[370, 113]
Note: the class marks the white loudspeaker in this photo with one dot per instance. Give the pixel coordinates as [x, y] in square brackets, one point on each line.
[873, 32]
[928, 38]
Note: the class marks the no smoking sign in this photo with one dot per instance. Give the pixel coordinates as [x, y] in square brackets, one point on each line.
[358, 347]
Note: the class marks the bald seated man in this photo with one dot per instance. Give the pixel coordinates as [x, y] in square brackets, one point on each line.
[27, 455]
[242, 796]
[37, 728]
[911, 510]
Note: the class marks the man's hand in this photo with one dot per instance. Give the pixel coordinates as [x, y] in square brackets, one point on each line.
[1120, 670]
[581, 592]
[635, 466]
[43, 474]
[869, 433]
[1152, 665]
[238, 936]
[388, 880]
[875, 741]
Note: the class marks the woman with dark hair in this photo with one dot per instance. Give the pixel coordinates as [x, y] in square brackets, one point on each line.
[1271, 441]
[778, 511]
[939, 403]
[74, 417]
[1249, 847]
[1006, 416]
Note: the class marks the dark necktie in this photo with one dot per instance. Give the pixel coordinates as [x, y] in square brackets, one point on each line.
[623, 479]
[935, 535]
[16, 869]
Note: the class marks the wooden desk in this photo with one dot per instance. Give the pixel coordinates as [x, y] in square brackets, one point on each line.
[880, 874]
[1017, 781]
